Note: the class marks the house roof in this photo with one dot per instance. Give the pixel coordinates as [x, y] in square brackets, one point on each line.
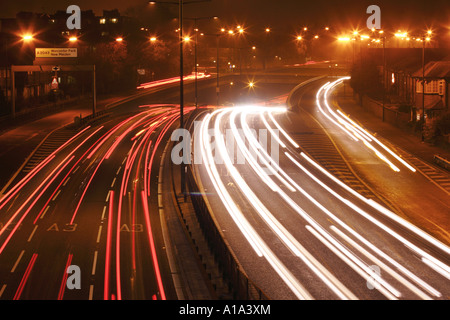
[434, 69]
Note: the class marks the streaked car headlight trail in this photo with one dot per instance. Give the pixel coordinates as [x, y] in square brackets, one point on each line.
[359, 251]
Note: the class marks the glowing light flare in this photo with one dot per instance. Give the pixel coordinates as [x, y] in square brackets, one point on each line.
[27, 37]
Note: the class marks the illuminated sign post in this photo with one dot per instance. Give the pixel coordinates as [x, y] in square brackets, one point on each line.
[56, 52]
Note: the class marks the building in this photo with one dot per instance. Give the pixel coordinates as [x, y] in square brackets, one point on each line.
[435, 98]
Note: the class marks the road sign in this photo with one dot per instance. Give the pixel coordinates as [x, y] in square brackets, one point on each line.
[56, 52]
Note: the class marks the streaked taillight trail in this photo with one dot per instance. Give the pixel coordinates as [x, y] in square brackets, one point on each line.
[101, 146]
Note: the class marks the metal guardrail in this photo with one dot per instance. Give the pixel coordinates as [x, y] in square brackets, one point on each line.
[241, 286]
[442, 162]
[81, 121]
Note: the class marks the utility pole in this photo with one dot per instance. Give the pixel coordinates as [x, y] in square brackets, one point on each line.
[423, 88]
[183, 173]
[384, 75]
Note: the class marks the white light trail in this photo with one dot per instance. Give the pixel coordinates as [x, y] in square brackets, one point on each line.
[247, 230]
[329, 279]
[357, 129]
[436, 265]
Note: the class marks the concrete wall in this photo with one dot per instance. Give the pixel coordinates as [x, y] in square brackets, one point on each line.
[399, 119]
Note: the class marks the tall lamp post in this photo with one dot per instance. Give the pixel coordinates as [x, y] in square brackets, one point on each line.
[424, 39]
[384, 72]
[180, 4]
[195, 53]
[217, 35]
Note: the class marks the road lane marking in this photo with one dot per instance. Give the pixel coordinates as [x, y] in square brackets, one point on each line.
[91, 291]
[2, 290]
[99, 234]
[65, 182]
[94, 264]
[113, 182]
[54, 198]
[46, 209]
[17, 261]
[103, 214]
[32, 233]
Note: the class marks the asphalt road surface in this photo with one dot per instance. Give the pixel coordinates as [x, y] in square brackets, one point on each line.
[299, 218]
[88, 201]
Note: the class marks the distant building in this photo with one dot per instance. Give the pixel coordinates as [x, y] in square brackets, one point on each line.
[437, 87]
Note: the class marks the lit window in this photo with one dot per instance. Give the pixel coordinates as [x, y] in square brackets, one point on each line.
[114, 20]
[102, 21]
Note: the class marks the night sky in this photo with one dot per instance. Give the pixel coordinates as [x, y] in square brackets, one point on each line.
[273, 13]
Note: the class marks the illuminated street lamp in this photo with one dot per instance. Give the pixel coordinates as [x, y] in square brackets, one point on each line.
[401, 34]
[27, 37]
[73, 39]
[119, 39]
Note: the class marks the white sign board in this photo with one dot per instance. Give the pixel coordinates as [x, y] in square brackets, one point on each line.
[56, 52]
